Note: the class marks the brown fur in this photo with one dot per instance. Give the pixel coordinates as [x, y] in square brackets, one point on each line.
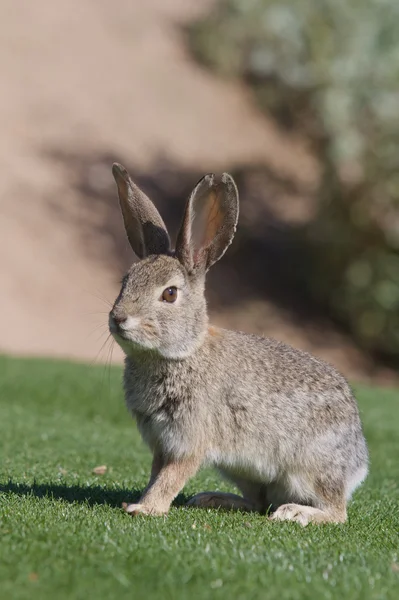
[214, 332]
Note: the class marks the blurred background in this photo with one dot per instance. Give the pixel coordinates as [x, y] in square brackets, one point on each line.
[299, 100]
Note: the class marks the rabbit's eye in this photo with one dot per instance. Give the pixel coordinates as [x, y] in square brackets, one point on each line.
[170, 294]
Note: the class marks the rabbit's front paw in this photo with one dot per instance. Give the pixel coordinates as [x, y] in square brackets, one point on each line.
[142, 509]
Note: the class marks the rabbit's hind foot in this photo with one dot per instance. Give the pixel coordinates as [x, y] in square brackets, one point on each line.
[308, 514]
[222, 500]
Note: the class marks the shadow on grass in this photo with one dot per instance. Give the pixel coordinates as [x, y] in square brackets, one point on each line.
[90, 495]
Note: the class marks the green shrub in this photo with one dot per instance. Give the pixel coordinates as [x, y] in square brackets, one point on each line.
[330, 68]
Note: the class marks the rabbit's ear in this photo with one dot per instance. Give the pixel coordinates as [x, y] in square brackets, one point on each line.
[144, 226]
[209, 223]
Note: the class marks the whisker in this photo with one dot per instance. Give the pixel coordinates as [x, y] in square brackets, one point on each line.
[96, 328]
[101, 349]
[104, 371]
[101, 335]
[99, 297]
[109, 367]
[103, 298]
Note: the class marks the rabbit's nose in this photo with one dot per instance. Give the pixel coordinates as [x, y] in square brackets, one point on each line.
[116, 321]
[119, 319]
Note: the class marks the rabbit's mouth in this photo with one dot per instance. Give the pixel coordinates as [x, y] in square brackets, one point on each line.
[131, 333]
[122, 325]
[125, 339]
[123, 328]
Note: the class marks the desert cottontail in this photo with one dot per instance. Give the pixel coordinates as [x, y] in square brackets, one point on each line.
[282, 425]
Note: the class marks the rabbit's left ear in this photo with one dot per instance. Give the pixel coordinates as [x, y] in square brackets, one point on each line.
[209, 223]
[144, 225]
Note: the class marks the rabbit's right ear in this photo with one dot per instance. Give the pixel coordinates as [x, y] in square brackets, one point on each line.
[209, 223]
[144, 226]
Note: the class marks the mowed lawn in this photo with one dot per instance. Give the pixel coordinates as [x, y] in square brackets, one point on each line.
[63, 534]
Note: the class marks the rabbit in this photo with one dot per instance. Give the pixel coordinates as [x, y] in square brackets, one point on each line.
[280, 424]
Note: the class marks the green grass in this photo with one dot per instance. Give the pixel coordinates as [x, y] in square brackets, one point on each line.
[63, 534]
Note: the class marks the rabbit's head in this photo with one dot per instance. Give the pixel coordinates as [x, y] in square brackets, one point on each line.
[161, 306]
